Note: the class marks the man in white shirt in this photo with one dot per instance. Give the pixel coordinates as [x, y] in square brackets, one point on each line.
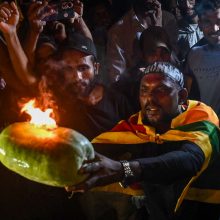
[189, 31]
[203, 65]
[121, 36]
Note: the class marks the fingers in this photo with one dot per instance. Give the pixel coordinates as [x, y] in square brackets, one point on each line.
[101, 170]
[157, 6]
[78, 7]
[85, 186]
[88, 184]
[8, 14]
[35, 6]
[36, 13]
[59, 26]
[98, 157]
[155, 13]
[74, 189]
[14, 8]
[5, 13]
[90, 167]
[39, 10]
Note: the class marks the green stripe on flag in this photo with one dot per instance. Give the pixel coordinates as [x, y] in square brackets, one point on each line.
[208, 128]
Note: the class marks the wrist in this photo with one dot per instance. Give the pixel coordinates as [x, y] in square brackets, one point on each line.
[11, 33]
[34, 32]
[131, 172]
[10, 36]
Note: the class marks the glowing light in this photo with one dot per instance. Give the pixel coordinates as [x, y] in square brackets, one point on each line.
[21, 163]
[39, 117]
[2, 152]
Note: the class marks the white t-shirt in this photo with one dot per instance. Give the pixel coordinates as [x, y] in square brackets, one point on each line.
[204, 64]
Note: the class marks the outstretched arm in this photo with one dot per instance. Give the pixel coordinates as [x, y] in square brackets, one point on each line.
[166, 168]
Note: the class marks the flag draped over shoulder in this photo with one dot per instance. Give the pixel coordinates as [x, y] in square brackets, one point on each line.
[198, 124]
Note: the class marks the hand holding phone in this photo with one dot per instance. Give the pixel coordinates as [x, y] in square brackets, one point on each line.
[62, 9]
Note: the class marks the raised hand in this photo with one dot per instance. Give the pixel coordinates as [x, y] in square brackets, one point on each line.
[156, 13]
[9, 17]
[78, 9]
[37, 11]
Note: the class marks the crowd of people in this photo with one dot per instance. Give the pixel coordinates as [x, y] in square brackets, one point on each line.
[139, 79]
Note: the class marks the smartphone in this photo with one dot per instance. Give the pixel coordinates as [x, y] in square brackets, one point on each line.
[63, 10]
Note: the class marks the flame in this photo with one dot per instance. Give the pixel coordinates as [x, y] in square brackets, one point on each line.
[39, 117]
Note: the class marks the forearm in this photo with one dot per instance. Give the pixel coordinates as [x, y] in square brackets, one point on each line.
[172, 166]
[6, 69]
[19, 59]
[30, 45]
[80, 26]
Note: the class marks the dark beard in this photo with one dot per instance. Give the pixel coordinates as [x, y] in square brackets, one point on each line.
[165, 122]
[72, 92]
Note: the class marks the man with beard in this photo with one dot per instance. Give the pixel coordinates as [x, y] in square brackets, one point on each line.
[202, 66]
[72, 74]
[177, 141]
[85, 104]
[189, 31]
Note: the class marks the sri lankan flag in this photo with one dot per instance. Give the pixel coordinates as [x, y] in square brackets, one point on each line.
[198, 124]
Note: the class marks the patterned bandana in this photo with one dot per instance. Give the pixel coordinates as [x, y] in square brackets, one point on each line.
[166, 69]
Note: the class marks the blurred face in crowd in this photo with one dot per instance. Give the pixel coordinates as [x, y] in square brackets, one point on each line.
[147, 5]
[160, 97]
[42, 53]
[210, 23]
[187, 8]
[74, 72]
[101, 16]
[155, 45]
[158, 54]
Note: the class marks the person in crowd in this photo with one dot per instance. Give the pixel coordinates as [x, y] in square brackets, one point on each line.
[121, 36]
[202, 65]
[14, 88]
[46, 33]
[99, 19]
[189, 30]
[153, 46]
[71, 73]
[90, 107]
[120, 8]
[176, 140]
[172, 7]
[37, 46]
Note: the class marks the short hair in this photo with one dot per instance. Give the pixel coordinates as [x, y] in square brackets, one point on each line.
[59, 53]
[203, 6]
